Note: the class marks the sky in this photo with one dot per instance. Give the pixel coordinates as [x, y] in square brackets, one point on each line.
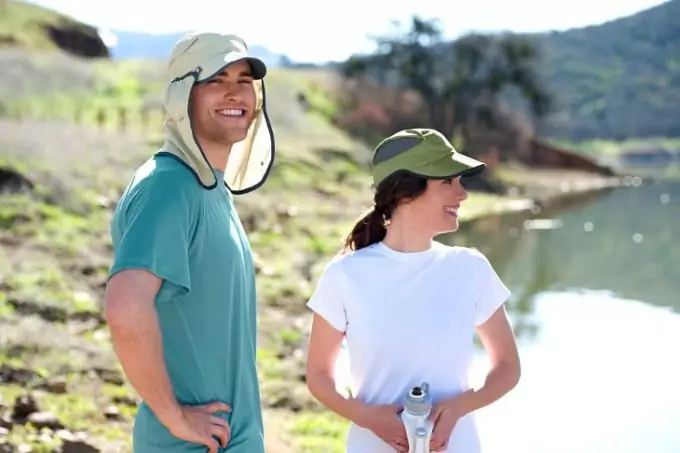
[302, 32]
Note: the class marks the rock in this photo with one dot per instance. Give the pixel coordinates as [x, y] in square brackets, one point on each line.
[75, 443]
[6, 420]
[45, 420]
[3, 432]
[77, 39]
[50, 313]
[11, 181]
[17, 375]
[6, 447]
[109, 376]
[112, 413]
[78, 446]
[281, 395]
[125, 400]
[57, 385]
[24, 405]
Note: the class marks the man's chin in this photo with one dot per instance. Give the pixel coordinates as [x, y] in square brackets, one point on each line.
[232, 137]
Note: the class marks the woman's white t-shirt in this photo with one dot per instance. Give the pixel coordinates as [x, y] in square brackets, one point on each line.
[409, 318]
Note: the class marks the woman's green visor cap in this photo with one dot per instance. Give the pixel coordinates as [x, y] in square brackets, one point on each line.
[422, 152]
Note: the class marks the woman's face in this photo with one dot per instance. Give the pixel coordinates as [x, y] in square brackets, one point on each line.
[437, 208]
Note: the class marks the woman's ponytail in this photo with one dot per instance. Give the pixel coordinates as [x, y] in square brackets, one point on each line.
[368, 230]
[393, 190]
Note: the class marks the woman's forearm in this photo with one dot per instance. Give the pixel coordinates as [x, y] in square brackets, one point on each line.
[323, 389]
[500, 380]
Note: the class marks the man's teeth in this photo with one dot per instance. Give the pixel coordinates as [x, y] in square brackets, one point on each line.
[231, 112]
[451, 210]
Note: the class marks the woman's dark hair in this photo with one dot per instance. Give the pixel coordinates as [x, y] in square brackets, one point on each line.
[370, 228]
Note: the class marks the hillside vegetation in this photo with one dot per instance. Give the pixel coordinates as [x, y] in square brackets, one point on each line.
[617, 80]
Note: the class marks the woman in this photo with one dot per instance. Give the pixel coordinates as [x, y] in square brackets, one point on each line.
[409, 306]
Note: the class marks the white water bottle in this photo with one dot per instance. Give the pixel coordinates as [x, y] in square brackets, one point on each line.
[417, 408]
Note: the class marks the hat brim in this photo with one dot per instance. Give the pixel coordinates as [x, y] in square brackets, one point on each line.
[459, 165]
[218, 63]
[452, 166]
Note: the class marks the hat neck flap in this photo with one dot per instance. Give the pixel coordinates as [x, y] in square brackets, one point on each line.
[250, 161]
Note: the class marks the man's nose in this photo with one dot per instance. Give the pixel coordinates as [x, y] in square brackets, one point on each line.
[230, 91]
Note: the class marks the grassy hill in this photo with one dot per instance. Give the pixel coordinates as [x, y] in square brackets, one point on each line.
[34, 28]
[617, 80]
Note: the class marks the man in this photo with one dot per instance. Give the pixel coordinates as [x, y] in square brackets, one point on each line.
[180, 301]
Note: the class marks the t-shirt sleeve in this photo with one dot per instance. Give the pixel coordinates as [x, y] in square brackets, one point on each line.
[328, 297]
[154, 232]
[492, 293]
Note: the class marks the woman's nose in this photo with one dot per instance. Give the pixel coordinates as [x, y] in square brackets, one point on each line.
[463, 193]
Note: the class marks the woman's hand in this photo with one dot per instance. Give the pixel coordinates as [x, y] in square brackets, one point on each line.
[384, 421]
[445, 414]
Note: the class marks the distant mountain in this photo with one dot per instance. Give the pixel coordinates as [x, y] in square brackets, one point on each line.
[127, 45]
[616, 80]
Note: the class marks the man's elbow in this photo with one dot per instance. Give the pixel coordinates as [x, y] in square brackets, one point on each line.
[116, 313]
[121, 309]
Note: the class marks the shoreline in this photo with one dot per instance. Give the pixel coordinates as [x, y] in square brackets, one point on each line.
[554, 196]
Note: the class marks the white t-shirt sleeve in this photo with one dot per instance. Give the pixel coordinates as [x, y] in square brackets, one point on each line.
[328, 297]
[491, 291]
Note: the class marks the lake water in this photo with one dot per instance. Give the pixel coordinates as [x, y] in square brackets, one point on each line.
[596, 308]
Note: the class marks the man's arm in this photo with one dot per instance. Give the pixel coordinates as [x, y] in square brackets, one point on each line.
[135, 333]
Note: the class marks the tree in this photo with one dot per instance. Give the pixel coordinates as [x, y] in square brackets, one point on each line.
[460, 82]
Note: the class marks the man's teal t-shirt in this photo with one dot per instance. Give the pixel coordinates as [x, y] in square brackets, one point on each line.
[192, 238]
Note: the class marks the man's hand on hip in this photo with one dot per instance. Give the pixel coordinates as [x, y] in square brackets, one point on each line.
[199, 425]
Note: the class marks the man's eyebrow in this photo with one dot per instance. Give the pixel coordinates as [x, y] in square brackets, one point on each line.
[244, 72]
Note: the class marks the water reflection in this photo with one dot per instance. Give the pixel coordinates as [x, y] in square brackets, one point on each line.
[625, 241]
[596, 309]
[597, 379]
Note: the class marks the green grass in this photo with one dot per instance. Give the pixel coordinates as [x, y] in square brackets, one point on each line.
[319, 433]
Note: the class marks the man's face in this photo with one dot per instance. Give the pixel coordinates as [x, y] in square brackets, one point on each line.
[223, 108]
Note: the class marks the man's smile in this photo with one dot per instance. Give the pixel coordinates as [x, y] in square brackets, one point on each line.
[238, 113]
